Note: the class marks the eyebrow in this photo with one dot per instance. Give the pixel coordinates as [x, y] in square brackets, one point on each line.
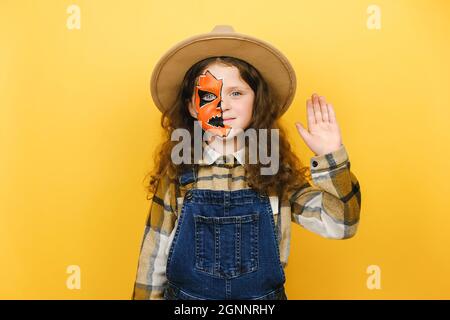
[236, 87]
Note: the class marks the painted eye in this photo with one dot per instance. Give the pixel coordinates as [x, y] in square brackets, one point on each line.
[209, 97]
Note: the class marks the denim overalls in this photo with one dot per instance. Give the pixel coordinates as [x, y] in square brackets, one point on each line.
[225, 247]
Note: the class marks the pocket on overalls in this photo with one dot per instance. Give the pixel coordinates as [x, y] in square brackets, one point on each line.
[226, 247]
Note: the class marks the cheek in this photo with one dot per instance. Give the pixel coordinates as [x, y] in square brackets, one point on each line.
[245, 109]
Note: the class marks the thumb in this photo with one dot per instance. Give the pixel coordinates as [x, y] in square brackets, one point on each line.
[302, 131]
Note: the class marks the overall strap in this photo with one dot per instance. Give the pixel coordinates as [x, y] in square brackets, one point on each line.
[188, 177]
[186, 181]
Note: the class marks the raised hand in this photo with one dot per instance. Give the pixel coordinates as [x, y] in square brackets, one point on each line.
[323, 135]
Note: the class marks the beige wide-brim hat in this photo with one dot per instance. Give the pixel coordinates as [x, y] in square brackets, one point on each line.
[170, 70]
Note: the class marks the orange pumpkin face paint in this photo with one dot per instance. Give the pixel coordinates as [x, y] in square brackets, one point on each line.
[208, 97]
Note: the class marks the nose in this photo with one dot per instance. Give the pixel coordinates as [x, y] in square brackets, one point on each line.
[224, 106]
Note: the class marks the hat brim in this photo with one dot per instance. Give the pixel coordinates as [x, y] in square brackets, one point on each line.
[170, 70]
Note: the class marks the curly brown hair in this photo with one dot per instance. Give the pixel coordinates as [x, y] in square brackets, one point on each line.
[291, 174]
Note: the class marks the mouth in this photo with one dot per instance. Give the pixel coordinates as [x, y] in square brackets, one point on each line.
[228, 119]
[216, 121]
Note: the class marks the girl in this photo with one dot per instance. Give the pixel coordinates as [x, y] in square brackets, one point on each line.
[220, 229]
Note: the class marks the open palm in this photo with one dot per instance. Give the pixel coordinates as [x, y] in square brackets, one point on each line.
[323, 135]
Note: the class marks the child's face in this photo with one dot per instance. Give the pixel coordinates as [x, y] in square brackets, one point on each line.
[222, 101]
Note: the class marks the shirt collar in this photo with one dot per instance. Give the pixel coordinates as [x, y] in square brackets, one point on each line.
[211, 155]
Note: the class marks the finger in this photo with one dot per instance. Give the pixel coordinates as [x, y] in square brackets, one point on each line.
[316, 107]
[323, 108]
[331, 114]
[302, 131]
[310, 113]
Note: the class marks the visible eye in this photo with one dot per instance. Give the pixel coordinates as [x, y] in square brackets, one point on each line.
[209, 97]
[237, 92]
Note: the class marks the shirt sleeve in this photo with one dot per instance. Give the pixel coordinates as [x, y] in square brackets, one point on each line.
[331, 206]
[151, 279]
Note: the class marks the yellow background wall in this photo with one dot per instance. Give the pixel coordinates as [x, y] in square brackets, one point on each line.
[78, 129]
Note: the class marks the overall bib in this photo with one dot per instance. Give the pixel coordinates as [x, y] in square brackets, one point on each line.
[225, 247]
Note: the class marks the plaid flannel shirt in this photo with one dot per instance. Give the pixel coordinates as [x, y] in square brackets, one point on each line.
[330, 208]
